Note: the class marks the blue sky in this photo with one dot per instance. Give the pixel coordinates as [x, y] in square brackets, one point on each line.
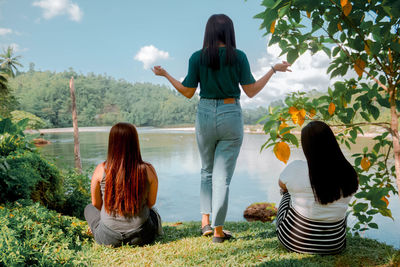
[106, 36]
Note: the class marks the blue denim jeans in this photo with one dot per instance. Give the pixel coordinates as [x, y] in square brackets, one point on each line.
[219, 134]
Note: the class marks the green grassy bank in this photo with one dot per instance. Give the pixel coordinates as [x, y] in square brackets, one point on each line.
[32, 235]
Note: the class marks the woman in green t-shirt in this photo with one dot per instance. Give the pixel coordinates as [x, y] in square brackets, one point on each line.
[219, 68]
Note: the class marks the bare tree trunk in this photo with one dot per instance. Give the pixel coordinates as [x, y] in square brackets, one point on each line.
[394, 126]
[77, 152]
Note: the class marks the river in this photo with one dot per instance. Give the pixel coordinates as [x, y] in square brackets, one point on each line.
[174, 154]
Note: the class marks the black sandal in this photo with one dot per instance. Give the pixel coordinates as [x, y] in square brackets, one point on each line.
[206, 230]
[221, 239]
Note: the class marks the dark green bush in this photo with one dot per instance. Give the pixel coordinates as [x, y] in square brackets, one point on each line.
[77, 193]
[29, 176]
[30, 234]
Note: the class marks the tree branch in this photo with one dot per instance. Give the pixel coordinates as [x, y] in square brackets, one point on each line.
[365, 42]
[382, 124]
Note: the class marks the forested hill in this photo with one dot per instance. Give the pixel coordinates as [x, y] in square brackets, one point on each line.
[101, 100]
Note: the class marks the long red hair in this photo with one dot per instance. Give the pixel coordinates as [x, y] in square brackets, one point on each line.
[126, 175]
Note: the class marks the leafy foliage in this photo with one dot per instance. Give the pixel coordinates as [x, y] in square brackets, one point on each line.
[24, 174]
[30, 234]
[9, 62]
[34, 122]
[77, 193]
[358, 35]
[101, 100]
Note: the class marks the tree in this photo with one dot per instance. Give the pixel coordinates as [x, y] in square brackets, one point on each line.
[362, 36]
[3, 82]
[77, 153]
[9, 62]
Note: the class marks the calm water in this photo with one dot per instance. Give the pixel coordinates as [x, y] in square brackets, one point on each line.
[175, 157]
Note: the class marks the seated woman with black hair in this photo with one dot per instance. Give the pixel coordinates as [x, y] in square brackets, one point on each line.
[316, 194]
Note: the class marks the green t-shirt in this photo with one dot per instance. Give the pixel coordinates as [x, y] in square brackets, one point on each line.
[222, 83]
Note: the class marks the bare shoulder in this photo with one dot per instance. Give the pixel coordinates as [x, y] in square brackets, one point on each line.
[98, 172]
[151, 173]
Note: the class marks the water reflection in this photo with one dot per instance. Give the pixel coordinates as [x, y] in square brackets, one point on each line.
[176, 159]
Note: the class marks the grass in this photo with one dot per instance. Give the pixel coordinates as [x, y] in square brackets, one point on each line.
[255, 244]
[30, 234]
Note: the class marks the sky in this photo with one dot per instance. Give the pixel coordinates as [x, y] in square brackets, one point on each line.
[124, 39]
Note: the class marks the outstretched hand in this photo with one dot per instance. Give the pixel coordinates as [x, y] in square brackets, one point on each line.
[283, 67]
[158, 70]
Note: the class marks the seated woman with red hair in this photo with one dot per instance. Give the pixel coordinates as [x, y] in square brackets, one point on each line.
[124, 190]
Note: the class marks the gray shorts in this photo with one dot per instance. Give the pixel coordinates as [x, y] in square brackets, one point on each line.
[103, 235]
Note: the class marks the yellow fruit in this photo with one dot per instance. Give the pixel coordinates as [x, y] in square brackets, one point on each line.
[359, 66]
[331, 108]
[386, 201]
[347, 9]
[293, 110]
[302, 112]
[308, 14]
[300, 120]
[272, 28]
[343, 2]
[365, 164]
[339, 26]
[282, 151]
[366, 48]
[312, 112]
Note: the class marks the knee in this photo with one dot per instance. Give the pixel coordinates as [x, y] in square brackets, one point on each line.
[87, 210]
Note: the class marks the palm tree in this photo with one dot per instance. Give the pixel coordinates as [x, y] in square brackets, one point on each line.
[9, 62]
[3, 81]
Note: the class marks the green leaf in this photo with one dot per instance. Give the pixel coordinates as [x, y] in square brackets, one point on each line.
[268, 125]
[269, 3]
[360, 207]
[373, 225]
[292, 138]
[353, 134]
[292, 55]
[365, 116]
[372, 212]
[327, 51]
[374, 111]
[286, 129]
[335, 51]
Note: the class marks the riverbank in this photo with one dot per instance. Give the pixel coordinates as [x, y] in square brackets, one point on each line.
[251, 129]
[33, 235]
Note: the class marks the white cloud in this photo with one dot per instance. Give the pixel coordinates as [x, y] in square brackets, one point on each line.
[148, 55]
[5, 31]
[53, 8]
[308, 72]
[16, 47]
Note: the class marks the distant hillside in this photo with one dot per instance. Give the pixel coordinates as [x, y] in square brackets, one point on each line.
[101, 100]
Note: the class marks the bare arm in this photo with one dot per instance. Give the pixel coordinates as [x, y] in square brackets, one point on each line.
[282, 186]
[95, 186]
[153, 186]
[254, 88]
[186, 91]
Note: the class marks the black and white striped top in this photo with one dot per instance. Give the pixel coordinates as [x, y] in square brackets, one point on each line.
[300, 234]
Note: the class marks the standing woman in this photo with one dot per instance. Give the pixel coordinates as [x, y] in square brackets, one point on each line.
[124, 190]
[219, 68]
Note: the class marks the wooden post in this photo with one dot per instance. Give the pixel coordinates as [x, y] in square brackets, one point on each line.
[77, 152]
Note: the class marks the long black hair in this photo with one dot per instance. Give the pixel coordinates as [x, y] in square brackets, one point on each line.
[219, 30]
[331, 175]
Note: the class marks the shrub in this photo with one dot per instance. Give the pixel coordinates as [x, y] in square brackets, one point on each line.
[28, 176]
[34, 122]
[77, 193]
[30, 234]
